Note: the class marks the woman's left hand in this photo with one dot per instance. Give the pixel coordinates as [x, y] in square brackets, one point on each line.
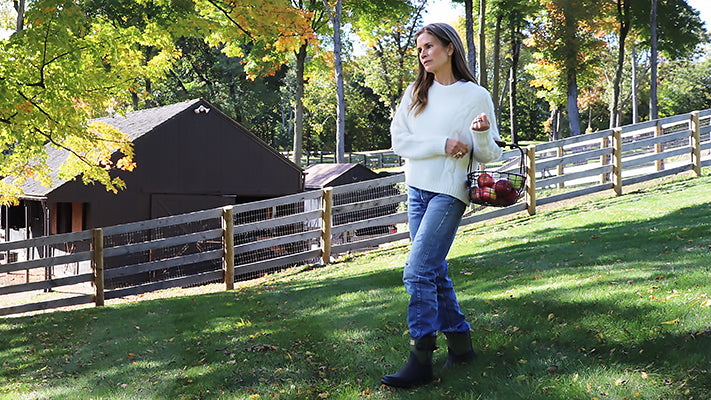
[480, 123]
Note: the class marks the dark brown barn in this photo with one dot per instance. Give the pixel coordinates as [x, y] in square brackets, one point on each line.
[190, 156]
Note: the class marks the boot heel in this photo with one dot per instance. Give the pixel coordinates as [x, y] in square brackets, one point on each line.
[459, 349]
[418, 370]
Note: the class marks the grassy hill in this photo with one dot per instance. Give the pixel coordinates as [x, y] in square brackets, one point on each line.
[606, 298]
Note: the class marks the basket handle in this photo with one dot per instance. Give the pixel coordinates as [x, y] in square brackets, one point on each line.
[501, 144]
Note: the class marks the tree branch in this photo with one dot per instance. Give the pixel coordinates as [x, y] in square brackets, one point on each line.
[226, 12]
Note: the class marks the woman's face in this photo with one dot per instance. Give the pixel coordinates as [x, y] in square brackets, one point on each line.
[435, 58]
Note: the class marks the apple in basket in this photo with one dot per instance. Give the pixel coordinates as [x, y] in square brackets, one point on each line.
[503, 187]
[485, 180]
[516, 181]
[510, 197]
[488, 194]
[477, 195]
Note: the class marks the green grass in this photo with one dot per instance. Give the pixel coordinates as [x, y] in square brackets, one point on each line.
[607, 298]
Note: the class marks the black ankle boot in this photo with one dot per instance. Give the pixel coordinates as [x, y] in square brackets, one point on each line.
[418, 370]
[459, 349]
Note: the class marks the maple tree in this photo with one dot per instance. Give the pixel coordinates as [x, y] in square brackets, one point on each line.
[265, 34]
[64, 68]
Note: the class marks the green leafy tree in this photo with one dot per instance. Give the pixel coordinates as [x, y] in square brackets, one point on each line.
[367, 122]
[65, 67]
[568, 36]
[265, 35]
[390, 63]
[205, 71]
[685, 86]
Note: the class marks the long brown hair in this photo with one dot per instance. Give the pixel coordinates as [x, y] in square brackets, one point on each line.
[446, 35]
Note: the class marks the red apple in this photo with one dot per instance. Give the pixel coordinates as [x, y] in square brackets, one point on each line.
[511, 197]
[488, 194]
[503, 187]
[476, 195]
[485, 180]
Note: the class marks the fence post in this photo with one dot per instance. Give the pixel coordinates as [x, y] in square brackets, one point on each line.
[228, 240]
[560, 153]
[659, 147]
[605, 159]
[97, 241]
[617, 161]
[326, 225]
[531, 179]
[696, 143]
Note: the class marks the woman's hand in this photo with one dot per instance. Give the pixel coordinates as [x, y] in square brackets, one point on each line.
[480, 123]
[455, 148]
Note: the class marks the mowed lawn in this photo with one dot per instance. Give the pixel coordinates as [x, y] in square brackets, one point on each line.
[602, 298]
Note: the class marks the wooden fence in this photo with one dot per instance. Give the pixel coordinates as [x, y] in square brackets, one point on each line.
[243, 241]
[371, 159]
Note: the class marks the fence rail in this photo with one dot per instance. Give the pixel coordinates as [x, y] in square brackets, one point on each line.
[243, 241]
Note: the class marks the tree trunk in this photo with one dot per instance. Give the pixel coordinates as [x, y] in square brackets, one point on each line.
[20, 8]
[299, 100]
[554, 133]
[653, 112]
[573, 113]
[482, 44]
[471, 48]
[515, 53]
[338, 65]
[623, 14]
[497, 67]
[635, 100]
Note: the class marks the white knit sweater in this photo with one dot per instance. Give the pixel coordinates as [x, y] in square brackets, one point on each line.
[421, 139]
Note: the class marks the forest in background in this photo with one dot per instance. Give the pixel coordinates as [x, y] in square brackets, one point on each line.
[326, 75]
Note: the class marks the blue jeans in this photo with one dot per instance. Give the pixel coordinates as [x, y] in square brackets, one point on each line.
[433, 220]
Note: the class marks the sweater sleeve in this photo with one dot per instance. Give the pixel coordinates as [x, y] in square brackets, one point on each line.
[485, 148]
[404, 142]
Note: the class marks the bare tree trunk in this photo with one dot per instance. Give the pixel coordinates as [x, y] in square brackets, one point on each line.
[554, 133]
[471, 48]
[482, 44]
[299, 100]
[338, 64]
[573, 112]
[653, 112]
[635, 100]
[515, 53]
[20, 8]
[497, 67]
[623, 15]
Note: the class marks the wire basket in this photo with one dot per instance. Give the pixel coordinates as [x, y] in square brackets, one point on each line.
[497, 188]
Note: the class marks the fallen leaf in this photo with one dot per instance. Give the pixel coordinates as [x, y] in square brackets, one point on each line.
[672, 322]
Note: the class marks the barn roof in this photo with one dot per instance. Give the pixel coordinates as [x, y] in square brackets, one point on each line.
[327, 174]
[135, 125]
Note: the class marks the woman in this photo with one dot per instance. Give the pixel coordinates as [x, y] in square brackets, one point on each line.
[444, 118]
